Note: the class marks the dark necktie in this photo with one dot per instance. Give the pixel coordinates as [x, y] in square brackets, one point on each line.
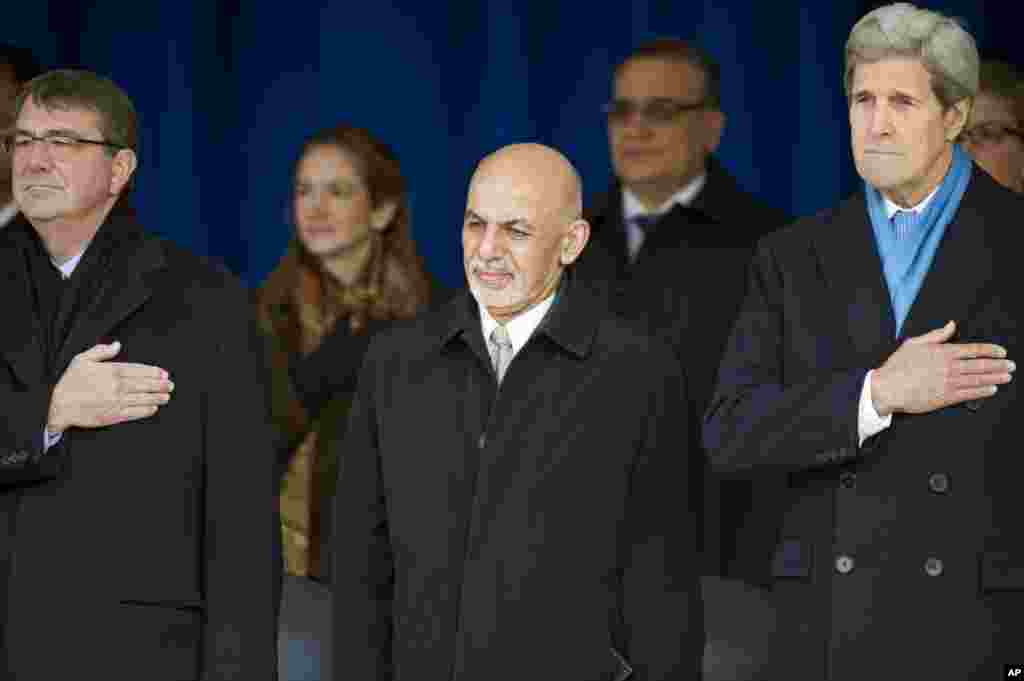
[645, 221]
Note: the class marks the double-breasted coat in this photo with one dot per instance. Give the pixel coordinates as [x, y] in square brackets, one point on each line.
[143, 550]
[901, 558]
[540, 530]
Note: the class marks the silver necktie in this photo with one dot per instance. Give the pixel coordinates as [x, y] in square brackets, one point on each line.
[501, 350]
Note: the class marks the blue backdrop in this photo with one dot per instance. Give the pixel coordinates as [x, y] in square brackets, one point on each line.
[227, 91]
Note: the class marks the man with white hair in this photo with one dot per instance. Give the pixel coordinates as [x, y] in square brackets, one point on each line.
[867, 390]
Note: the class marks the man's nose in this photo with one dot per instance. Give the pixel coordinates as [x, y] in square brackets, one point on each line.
[635, 122]
[489, 246]
[318, 204]
[881, 121]
[37, 155]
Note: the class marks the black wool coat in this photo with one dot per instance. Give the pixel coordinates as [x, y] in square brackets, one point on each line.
[539, 530]
[686, 287]
[143, 550]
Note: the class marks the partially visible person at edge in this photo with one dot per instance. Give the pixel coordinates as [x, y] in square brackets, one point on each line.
[994, 136]
[867, 388]
[136, 464]
[17, 66]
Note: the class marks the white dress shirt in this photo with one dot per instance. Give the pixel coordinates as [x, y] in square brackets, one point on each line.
[631, 207]
[66, 269]
[520, 327]
[868, 420]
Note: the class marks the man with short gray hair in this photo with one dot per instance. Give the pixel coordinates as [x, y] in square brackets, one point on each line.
[867, 390]
[137, 532]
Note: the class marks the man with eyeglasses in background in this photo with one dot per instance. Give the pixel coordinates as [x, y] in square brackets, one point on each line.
[137, 530]
[670, 243]
[17, 66]
[995, 131]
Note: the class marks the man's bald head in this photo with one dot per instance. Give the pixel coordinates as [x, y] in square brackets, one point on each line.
[539, 171]
[523, 226]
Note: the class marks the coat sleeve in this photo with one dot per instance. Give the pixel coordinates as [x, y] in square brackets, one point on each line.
[660, 561]
[759, 417]
[25, 410]
[362, 563]
[241, 560]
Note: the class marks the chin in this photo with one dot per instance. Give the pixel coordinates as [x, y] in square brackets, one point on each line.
[881, 179]
[495, 298]
[326, 248]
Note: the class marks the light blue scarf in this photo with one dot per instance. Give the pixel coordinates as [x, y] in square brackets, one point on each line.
[905, 261]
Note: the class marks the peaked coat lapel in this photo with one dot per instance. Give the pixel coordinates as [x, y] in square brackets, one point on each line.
[852, 270]
[962, 267]
[122, 290]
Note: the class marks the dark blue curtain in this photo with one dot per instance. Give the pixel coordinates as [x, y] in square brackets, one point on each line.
[227, 91]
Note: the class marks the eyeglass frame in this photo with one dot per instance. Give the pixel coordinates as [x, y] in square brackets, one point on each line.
[8, 145]
[644, 111]
[1004, 130]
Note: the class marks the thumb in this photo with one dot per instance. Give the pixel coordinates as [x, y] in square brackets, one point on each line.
[99, 353]
[940, 335]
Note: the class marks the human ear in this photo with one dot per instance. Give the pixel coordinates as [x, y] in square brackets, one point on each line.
[573, 241]
[124, 163]
[956, 118]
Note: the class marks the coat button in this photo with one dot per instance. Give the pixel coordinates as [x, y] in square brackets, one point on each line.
[848, 479]
[844, 564]
[933, 567]
[482, 442]
[938, 483]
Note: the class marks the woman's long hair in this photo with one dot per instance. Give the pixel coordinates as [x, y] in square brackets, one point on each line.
[301, 301]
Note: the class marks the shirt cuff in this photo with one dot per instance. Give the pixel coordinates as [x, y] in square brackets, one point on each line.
[868, 421]
[49, 440]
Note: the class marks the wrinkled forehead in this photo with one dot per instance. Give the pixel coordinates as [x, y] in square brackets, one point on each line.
[892, 74]
[503, 197]
[36, 116]
[650, 77]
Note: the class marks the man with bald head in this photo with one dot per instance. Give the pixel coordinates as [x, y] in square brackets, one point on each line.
[512, 500]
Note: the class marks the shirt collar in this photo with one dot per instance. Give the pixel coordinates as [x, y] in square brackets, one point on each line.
[891, 208]
[69, 267]
[631, 206]
[520, 327]
[7, 213]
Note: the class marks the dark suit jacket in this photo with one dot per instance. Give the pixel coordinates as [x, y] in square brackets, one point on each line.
[940, 486]
[539, 531]
[686, 287]
[142, 550]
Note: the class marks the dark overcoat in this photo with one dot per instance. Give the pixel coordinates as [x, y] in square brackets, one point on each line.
[539, 531]
[686, 287]
[901, 558]
[143, 550]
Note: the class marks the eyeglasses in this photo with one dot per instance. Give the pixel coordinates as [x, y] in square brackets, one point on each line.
[658, 111]
[990, 134]
[59, 145]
